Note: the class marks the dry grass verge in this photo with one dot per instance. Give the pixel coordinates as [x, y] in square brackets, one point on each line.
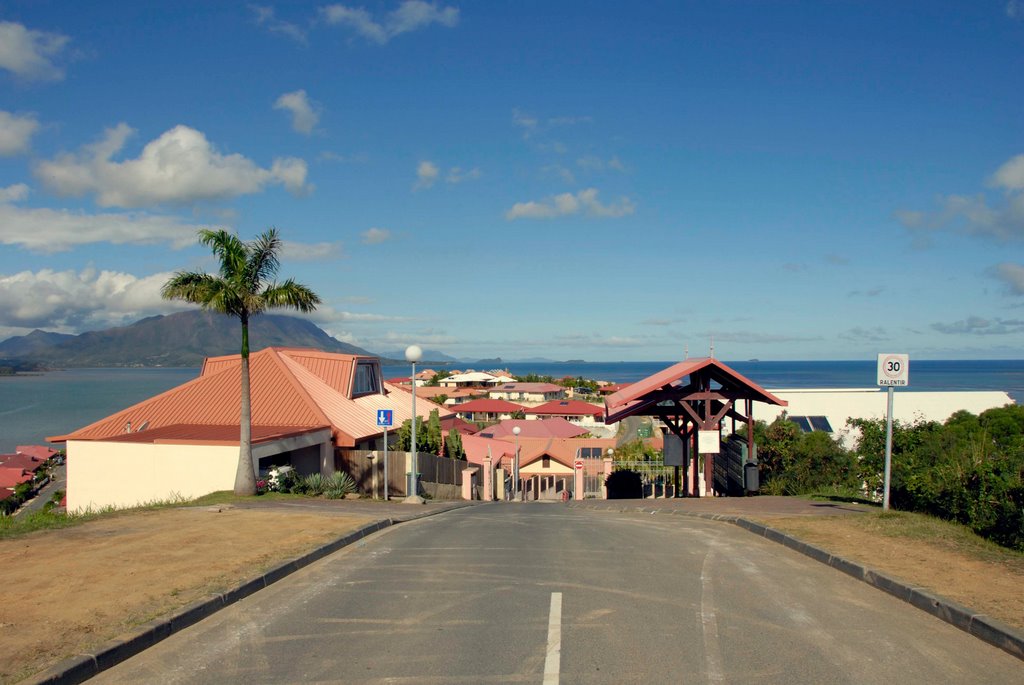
[69, 589]
[920, 550]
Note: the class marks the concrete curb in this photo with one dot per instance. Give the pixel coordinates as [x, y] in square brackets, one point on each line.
[80, 668]
[979, 625]
[966, 619]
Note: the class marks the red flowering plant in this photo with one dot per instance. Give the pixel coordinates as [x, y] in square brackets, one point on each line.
[262, 486]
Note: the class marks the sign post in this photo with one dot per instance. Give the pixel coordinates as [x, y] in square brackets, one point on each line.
[385, 417]
[893, 370]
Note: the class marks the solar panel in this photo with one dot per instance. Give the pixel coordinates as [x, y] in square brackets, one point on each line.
[802, 423]
[820, 423]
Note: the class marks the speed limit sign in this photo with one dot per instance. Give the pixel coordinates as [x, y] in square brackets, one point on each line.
[894, 370]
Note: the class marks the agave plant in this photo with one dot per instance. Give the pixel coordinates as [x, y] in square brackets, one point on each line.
[339, 485]
[315, 484]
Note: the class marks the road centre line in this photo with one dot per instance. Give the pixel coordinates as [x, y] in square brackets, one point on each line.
[553, 660]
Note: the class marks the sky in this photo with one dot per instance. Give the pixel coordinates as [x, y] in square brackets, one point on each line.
[571, 180]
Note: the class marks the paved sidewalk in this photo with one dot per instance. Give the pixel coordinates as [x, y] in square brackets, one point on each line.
[760, 507]
[394, 510]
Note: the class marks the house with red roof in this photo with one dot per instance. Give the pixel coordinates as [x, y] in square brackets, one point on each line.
[528, 428]
[310, 409]
[487, 410]
[546, 466]
[573, 411]
[527, 392]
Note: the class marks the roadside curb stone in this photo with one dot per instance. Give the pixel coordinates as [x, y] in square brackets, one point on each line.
[80, 668]
[971, 622]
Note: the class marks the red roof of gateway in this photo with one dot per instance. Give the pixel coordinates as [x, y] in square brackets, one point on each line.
[566, 408]
[298, 390]
[642, 394]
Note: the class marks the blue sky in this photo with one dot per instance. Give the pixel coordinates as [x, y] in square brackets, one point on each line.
[591, 180]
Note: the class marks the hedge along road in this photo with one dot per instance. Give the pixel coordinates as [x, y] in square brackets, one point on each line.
[542, 593]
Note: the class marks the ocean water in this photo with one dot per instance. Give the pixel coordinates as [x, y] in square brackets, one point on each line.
[1006, 375]
[33, 407]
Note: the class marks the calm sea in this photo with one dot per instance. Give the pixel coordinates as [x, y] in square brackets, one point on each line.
[33, 407]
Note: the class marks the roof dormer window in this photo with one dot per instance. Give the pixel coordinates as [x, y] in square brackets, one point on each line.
[367, 379]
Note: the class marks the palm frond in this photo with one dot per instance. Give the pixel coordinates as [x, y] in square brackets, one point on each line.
[262, 263]
[292, 295]
[230, 251]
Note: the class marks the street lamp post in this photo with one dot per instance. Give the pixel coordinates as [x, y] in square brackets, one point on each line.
[413, 353]
[516, 431]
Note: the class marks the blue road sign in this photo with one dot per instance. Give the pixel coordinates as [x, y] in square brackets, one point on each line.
[385, 417]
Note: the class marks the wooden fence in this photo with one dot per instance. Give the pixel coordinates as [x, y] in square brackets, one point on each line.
[367, 469]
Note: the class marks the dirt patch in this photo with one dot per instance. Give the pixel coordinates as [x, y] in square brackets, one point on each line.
[992, 587]
[71, 589]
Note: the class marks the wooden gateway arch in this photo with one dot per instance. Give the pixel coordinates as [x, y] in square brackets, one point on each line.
[692, 398]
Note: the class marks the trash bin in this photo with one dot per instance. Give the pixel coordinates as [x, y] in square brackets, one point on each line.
[751, 478]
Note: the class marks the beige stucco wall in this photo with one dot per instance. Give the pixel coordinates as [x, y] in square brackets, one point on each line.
[537, 469]
[102, 474]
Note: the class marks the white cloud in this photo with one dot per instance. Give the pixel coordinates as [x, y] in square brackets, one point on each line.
[594, 163]
[50, 230]
[14, 193]
[375, 236]
[409, 16]
[559, 171]
[973, 215]
[311, 252]
[178, 167]
[1012, 275]
[567, 204]
[977, 325]
[305, 114]
[1010, 175]
[524, 121]
[16, 133]
[457, 175]
[30, 54]
[864, 334]
[426, 175]
[75, 301]
[266, 17]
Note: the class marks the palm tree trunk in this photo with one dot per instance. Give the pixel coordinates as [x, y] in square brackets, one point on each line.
[245, 477]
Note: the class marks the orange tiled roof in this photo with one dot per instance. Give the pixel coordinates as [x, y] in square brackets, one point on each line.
[293, 388]
[562, 450]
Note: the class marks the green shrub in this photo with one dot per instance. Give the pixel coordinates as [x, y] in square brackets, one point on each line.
[315, 484]
[339, 485]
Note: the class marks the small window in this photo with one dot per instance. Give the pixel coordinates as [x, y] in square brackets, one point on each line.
[366, 381]
[547, 462]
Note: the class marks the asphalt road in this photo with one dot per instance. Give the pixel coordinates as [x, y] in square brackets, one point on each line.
[543, 593]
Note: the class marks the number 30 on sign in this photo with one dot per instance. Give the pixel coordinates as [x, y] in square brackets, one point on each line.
[894, 370]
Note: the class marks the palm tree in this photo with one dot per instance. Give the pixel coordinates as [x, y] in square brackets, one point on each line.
[244, 288]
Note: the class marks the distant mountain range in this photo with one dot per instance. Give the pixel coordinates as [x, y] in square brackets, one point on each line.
[428, 356]
[183, 339]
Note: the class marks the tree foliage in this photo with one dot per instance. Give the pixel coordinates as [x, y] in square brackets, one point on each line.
[969, 469]
[245, 286]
